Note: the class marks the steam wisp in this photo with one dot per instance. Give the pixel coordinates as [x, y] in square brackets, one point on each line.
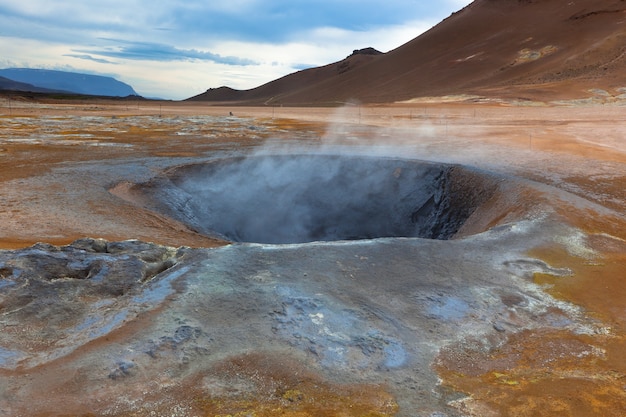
[312, 197]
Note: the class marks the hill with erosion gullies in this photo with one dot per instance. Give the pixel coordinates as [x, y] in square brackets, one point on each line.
[508, 49]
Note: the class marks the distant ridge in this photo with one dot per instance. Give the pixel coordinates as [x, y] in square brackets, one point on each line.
[11, 85]
[72, 82]
[512, 49]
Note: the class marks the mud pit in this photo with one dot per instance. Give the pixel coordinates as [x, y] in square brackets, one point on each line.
[306, 198]
[519, 312]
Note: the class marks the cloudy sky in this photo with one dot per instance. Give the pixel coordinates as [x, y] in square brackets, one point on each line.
[176, 49]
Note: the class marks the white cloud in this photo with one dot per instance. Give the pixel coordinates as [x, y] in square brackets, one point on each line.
[325, 45]
[176, 49]
[459, 4]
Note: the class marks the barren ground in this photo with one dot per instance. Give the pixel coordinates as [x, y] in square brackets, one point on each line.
[66, 174]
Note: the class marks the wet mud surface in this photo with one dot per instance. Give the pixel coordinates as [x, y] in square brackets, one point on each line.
[518, 312]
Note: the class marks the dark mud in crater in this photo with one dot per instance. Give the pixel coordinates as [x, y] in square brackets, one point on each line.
[304, 198]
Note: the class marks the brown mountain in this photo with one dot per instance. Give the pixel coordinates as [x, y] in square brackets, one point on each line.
[515, 49]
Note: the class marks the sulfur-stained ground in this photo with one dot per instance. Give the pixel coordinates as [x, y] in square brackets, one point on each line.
[521, 314]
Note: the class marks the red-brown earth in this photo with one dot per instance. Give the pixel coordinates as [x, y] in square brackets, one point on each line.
[519, 50]
[55, 190]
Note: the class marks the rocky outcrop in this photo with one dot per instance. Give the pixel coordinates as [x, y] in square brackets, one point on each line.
[70, 295]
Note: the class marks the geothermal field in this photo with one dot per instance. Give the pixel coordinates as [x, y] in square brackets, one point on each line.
[434, 259]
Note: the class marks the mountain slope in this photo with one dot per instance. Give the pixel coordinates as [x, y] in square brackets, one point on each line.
[70, 82]
[515, 49]
[276, 91]
[11, 85]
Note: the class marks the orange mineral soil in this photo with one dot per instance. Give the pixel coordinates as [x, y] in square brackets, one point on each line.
[46, 148]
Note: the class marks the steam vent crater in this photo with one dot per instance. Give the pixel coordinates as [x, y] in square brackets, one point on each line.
[301, 198]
